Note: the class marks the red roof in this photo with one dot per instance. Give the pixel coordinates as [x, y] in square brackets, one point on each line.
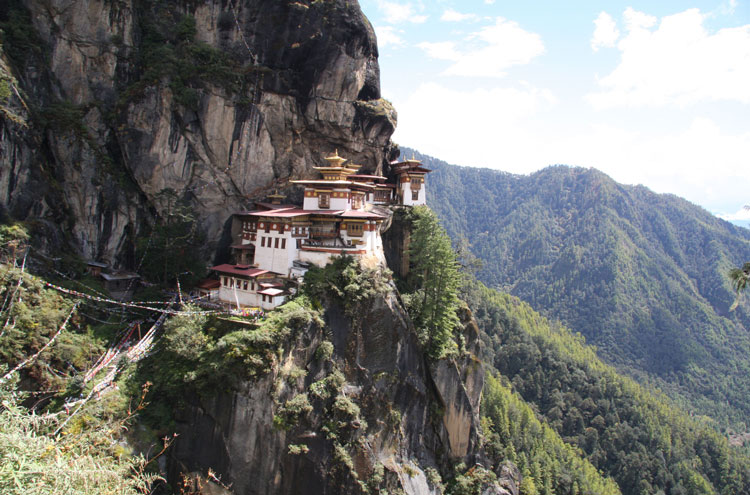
[271, 206]
[284, 213]
[299, 213]
[208, 284]
[418, 170]
[363, 176]
[271, 292]
[266, 285]
[360, 214]
[243, 270]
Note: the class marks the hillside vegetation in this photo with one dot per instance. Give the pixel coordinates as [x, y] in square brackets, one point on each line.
[642, 276]
[629, 433]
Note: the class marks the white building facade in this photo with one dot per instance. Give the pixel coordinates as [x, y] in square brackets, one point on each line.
[339, 216]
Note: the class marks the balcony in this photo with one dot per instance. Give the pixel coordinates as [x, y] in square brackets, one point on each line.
[324, 232]
[333, 242]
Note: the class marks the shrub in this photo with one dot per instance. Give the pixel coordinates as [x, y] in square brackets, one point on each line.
[298, 449]
[324, 351]
[291, 411]
[88, 462]
[346, 282]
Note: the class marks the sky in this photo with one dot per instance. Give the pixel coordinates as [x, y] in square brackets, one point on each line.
[652, 93]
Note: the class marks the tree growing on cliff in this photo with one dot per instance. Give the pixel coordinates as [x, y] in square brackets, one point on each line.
[740, 277]
[434, 273]
[174, 244]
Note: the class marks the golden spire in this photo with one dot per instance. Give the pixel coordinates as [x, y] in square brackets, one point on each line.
[335, 160]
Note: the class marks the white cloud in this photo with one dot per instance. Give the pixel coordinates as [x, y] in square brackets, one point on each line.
[514, 129]
[493, 49]
[388, 36]
[678, 63]
[726, 8]
[396, 12]
[470, 127]
[635, 20]
[442, 50]
[605, 32]
[451, 15]
[701, 162]
[743, 214]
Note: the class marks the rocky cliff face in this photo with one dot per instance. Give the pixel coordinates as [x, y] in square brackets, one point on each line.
[395, 423]
[219, 102]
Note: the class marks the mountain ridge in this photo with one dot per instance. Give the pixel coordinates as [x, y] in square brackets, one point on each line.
[643, 276]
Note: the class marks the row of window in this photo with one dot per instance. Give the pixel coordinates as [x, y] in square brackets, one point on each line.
[241, 284]
[354, 229]
[265, 226]
[324, 200]
[276, 243]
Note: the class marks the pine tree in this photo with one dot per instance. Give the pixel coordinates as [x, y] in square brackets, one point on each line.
[435, 271]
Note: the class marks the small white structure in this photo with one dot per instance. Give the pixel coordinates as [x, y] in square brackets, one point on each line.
[245, 286]
[410, 179]
[208, 289]
[338, 217]
[120, 284]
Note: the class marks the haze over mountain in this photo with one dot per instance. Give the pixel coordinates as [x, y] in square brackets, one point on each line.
[642, 276]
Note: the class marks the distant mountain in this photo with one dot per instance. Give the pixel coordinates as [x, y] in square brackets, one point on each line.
[641, 275]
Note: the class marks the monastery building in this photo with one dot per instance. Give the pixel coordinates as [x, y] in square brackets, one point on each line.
[341, 214]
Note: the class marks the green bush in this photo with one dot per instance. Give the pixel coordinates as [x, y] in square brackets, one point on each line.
[346, 282]
[89, 461]
[324, 351]
[289, 414]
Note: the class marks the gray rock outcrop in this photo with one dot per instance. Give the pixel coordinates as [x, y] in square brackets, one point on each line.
[220, 102]
[411, 417]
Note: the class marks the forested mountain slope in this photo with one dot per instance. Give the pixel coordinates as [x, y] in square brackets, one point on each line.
[641, 275]
[628, 432]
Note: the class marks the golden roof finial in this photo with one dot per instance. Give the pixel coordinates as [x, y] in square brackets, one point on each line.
[335, 160]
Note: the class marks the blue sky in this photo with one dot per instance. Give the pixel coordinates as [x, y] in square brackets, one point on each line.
[653, 93]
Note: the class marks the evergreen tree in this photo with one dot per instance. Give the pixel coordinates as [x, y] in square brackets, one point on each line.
[435, 272]
[173, 247]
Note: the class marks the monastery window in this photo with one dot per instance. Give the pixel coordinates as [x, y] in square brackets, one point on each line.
[225, 281]
[262, 242]
[276, 243]
[244, 285]
[354, 229]
[231, 283]
[324, 200]
[281, 228]
[415, 195]
[283, 243]
[252, 285]
[357, 201]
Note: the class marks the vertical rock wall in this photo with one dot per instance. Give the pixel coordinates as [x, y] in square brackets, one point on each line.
[113, 121]
[412, 415]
